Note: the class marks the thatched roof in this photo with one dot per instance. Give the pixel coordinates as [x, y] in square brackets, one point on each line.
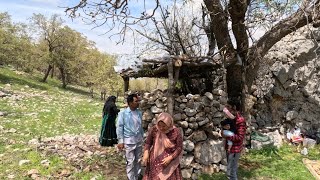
[192, 67]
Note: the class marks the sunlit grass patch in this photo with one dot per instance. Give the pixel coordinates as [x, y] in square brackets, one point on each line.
[284, 163]
[41, 110]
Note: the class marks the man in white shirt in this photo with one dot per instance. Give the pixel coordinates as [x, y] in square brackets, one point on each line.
[130, 136]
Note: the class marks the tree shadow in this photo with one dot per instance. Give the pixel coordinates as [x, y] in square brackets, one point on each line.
[4, 79]
[246, 171]
[8, 79]
[76, 91]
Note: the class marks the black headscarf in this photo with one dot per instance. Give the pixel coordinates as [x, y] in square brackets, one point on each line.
[109, 105]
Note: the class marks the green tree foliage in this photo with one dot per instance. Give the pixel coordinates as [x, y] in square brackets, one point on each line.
[6, 38]
[102, 74]
[68, 48]
[15, 44]
[58, 49]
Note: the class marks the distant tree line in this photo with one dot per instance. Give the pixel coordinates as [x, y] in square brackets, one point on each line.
[48, 46]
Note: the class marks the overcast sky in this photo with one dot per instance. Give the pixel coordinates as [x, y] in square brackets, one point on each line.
[21, 10]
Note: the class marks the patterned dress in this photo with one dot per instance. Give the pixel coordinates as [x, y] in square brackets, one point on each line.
[154, 166]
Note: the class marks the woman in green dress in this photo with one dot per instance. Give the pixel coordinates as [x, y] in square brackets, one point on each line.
[108, 136]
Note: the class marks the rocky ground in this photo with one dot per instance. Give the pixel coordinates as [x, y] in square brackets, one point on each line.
[84, 153]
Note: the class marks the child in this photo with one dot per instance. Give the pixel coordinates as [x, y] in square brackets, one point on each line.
[228, 131]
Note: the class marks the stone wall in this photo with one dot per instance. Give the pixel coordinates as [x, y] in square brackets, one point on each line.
[199, 118]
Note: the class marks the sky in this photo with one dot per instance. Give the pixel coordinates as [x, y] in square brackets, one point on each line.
[22, 10]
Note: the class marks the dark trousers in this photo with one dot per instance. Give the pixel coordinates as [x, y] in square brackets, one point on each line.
[232, 168]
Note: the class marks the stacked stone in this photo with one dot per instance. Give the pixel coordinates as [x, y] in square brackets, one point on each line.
[199, 119]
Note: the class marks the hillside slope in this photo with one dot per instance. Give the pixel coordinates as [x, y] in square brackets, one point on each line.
[35, 116]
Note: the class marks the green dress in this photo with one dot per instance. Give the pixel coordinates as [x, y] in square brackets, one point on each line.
[108, 136]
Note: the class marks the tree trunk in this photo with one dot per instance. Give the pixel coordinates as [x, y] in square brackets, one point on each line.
[47, 73]
[234, 81]
[126, 83]
[63, 78]
[52, 72]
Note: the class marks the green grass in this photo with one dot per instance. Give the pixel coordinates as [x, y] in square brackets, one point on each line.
[272, 163]
[42, 110]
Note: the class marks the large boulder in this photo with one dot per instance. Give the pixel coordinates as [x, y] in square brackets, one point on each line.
[208, 152]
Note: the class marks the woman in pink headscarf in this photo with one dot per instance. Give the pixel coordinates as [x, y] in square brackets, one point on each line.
[163, 150]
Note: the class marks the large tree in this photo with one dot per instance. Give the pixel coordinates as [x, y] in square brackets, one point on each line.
[240, 77]
[228, 25]
[47, 28]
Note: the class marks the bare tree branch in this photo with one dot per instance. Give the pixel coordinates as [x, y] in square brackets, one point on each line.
[237, 10]
[219, 21]
[307, 13]
[110, 11]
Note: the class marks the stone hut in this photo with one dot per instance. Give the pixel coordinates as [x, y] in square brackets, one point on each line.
[198, 115]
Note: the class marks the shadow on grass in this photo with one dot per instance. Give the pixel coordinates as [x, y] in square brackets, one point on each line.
[244, 172]
[4, 79]
[75, 90]
[267, 151]
[248, 165]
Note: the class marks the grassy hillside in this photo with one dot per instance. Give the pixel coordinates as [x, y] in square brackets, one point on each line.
[34, 111]
[43, 109]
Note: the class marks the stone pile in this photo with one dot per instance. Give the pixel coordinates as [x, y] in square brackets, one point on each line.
[80, 150]
[199, 119]
[72, 147]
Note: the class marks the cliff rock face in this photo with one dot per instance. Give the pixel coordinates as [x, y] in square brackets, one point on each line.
[288, 86]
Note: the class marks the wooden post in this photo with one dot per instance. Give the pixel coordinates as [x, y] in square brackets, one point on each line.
[173, 76]
[170, 99]
[177, 65]
[126, 83]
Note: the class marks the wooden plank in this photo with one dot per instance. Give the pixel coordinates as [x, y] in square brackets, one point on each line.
[312, 165]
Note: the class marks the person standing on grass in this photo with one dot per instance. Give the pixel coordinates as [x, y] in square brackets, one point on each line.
[130, 136]
[232, 111]
[108, 136]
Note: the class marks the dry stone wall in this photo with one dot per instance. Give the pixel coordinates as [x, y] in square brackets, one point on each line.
[199, 118]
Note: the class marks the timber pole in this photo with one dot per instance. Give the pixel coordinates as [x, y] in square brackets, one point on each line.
[170, 100]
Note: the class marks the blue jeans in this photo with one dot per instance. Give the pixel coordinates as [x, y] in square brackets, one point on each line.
[232, 168]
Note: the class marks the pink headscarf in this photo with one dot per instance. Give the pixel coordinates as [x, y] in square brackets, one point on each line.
[228, 113]
[162, 142]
